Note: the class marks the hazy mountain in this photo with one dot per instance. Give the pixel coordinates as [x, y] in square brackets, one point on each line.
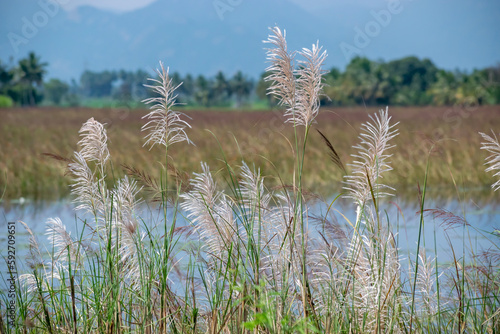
[188, 35]
[192, 36]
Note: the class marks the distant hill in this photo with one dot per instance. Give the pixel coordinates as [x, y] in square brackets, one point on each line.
[188, 35]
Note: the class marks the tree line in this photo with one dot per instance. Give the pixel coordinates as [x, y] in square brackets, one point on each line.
[410, 81]
[406, 81]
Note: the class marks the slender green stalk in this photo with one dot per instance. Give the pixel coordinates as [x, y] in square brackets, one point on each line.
[420, 228]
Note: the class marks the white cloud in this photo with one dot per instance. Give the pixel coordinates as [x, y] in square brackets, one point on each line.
[119, 6]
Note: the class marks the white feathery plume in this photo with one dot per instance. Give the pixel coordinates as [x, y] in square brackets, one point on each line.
[328, 272]
[126, 233]
[94, 145]
[282, 68]
[297, 90]
[492, 145]
[90, 194]
[125, 202]
[211, 213]
[28, 281]
[90, 189]
[372, 160]
[276, 228]
[61, 241]
[255, 199]
[309, 86]
[34, 258]
[51, 272]
[165, 125]
[372, 258]
[260, 214]
[375, 268]
[426, 280]
[47, 271]
[283, 262]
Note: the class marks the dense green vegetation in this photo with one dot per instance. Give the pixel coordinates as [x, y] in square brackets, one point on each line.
[411, 81]
[402, 82]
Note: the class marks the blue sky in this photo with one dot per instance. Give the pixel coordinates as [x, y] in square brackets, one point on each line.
[454, 34]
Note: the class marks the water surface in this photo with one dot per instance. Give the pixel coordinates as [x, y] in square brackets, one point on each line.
[481, 219]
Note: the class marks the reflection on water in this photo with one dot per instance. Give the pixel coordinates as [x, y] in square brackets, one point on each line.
[482, 218]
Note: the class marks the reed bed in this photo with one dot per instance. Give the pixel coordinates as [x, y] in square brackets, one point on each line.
[260, 137]
[254, 256]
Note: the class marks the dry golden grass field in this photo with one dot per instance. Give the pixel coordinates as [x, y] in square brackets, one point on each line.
[447, 135]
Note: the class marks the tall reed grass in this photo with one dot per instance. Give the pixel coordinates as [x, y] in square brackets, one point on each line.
[251, 258]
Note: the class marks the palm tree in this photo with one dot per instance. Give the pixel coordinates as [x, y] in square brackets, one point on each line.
[204, 93]
[31, 72]
[241, 87]
[6, 76]
[221, 87]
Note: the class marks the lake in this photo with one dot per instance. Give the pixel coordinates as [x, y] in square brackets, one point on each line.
[482, 218]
